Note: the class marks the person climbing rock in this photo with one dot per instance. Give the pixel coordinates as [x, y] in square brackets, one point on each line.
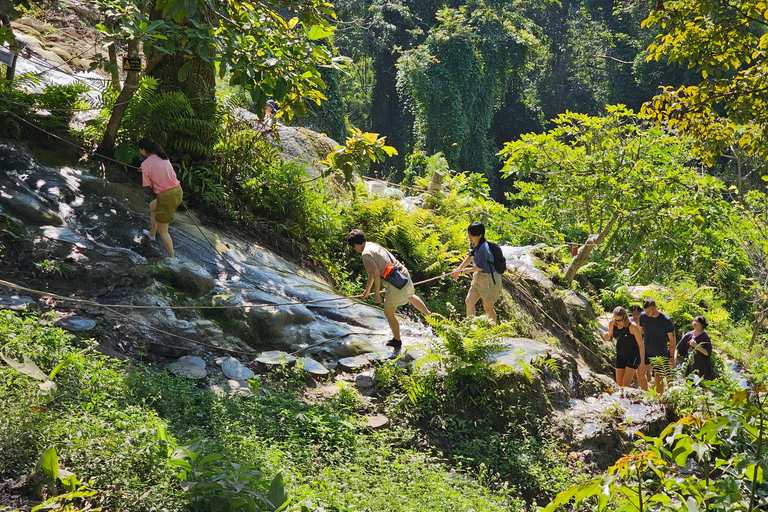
[629, 346]
[659, 339]
[485, 285]
[377, 262]
[157, 172]
[643, 375]
[270, 111]
[699, 343]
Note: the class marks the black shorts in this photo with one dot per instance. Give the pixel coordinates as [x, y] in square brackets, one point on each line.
[649, 356]
[632, 361]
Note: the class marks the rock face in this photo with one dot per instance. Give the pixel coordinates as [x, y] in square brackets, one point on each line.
[266, 308]
[94, 226]
[601, 426]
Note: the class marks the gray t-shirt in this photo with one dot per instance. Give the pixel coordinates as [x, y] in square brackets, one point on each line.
[375, 258]
[656, 333]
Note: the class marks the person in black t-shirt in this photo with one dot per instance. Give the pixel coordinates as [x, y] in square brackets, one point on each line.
[658, 337]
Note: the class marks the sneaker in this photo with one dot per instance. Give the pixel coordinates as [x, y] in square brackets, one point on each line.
[394, 343]
[146, 232]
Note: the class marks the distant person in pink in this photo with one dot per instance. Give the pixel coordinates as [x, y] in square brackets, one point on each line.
[157, 172]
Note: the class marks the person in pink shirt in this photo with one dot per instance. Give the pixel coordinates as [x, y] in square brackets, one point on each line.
[157, 172]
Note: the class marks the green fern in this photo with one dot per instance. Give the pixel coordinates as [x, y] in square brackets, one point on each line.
[166, 117]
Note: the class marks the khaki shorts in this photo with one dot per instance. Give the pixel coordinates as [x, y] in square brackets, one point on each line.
[394, 297]
[167, 202]
[484, 286]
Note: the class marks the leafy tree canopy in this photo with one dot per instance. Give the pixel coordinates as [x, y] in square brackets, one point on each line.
[613, 177]
[728, 43]
[455, 80]
[271, 47]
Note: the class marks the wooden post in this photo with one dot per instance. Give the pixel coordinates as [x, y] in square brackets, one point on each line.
[437, 183]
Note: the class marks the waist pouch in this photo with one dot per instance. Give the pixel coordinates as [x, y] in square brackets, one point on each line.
[395, 276]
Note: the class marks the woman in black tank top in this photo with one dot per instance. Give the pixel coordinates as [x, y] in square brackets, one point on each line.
[629, 346]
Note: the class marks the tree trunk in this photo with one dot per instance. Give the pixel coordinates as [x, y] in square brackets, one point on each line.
[388, 115]
[583, 256]
[107, 144]
[116, 69]
[199, 85]
[5, 21]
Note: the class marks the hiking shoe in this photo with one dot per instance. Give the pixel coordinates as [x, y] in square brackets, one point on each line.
[394, 343]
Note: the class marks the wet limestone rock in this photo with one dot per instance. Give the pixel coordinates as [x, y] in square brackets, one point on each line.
[191, 367]
[275, 358]
[19, 203]
[309, 365]
[184, 276]
[603, 425]
[15, 302]
[234, 369]
[76, 323]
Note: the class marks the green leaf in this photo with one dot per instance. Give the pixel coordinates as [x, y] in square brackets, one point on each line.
[49, 463]
[317, 32]
[277, 495]
[210, 458]
[68, 480]
[682, 450]
[65, 362]
[184, 71]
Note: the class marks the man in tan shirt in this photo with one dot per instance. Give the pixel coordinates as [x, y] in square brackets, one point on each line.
[375, 259]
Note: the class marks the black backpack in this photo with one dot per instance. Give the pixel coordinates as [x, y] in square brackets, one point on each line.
[499, 261]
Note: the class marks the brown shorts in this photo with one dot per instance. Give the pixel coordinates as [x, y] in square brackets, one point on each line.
[167, 202]
[483, 284]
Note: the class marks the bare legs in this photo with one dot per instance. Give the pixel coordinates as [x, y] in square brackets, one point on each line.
[156, 227]
[394, 325]
[472, 297]
[419, 304]
[642, 379]
[624, 376]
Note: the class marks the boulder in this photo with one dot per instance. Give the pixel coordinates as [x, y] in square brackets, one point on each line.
[15, 302]
[191, 367]
[641, 291]
[76, 323]
[580, 304]
[311, 366]
[234, 369]
[38, 25]
[366, 382]
[275, 358]
[62, 52]
[354, 364]
[377, 421]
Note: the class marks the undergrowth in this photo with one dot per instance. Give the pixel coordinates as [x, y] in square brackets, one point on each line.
[119, 424]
